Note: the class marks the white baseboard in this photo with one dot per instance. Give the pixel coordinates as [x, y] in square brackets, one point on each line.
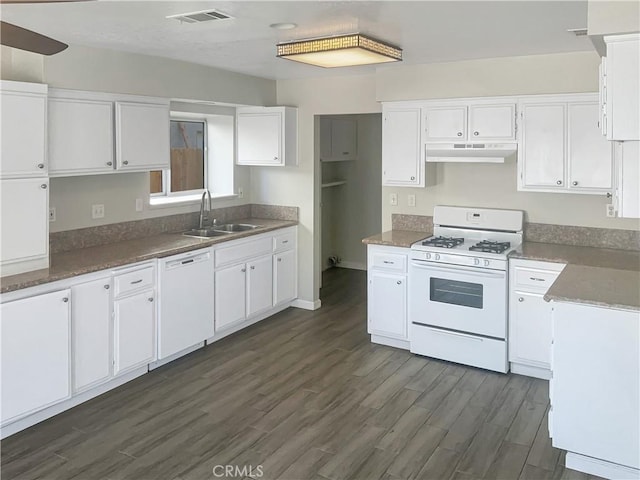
[352, 265]
[391, 342]
[49, 412]
[306, 304]
[600, 468]
[236, 327]
[530, 371]
[175, 356]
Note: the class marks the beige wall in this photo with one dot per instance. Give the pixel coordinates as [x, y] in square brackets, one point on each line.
[606, 17]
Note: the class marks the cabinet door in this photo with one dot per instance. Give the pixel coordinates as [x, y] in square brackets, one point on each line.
[530, 329]
[492, 122]
[387, 305]
[259, 285]
[23, 133]
[623, 94]
[259, 137]
[142, 136]
[284, 266]
[230, 296]
[325, 140]
[543, 146]
[402, 161]
[25, 221]
[445, 124]
[91, 333]
[589, 153]
[628, 179]
[134, 331]
[344, 139]
[80, 136]
[35, 355]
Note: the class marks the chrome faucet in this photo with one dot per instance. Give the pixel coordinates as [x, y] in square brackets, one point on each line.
[204, 216]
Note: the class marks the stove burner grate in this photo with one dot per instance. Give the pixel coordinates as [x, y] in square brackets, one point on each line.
[443, 242]
[490, 247]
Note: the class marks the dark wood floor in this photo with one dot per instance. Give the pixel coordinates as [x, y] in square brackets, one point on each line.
[304, 395]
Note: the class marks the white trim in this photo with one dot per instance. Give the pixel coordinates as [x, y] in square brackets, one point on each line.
[175, 356]
[530, 371]
[306, 304]
[53, 410]
[390, 342]
[352, 265]
[600, 468]
[245, 323]
[163, 202]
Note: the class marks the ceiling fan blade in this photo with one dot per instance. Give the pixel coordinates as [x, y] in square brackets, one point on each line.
[23, 39]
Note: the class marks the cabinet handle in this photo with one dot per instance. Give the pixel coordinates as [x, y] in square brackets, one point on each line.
[150, 299]
[345, 153]
[536, 279]
[459, 134]
[279, 259]
[399, 282]
[253, 267]
[609, 195]
[43, 186]
[521, 299]
[285, 241]
[243, 270]
[559, 182]
[107, 287]
[136, 281]
[574, 183]
[65, 299]
[413, 178]
[41, 166]
[476, 133]
[126, 162]
[109, 164]
[275, 158]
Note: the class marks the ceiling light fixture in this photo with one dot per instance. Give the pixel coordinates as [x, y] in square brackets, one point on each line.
[340, 51]
[283, 26]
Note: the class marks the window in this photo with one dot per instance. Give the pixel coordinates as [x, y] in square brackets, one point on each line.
[201, 157]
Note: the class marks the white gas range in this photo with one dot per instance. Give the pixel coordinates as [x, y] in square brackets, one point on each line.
[458, 286]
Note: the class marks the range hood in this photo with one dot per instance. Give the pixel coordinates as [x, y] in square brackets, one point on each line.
[470, 152]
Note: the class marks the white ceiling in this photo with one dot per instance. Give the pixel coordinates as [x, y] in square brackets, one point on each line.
[427, 31]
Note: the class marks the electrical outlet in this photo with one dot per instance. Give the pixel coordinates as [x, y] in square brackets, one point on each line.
[97, 211]
[139, 205]
[611, 211]
[240, 192]
[411, 200]
[393, 199]
[52, 214]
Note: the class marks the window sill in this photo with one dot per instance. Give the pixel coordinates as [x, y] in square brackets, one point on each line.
[165, 202]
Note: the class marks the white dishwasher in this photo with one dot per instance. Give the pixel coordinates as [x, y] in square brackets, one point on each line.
[185, 313]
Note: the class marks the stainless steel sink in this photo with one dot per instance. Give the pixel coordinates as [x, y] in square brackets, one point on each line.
[205, 233]
[234, 227]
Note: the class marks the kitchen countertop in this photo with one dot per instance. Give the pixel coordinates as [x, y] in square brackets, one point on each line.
[594, 276]
[86, 260]
[396, 238]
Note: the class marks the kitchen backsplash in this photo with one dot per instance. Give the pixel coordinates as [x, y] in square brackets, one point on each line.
[116, 232]
[542, 232]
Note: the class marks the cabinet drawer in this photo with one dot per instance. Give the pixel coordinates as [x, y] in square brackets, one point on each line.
[389, 261]
[235, 253]
[538, 279]
[132, 281]
[284, 241]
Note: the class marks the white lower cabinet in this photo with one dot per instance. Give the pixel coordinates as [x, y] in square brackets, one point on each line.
[284, 277]
[387, 295]
[230, 287]
[36, 353]
[530, 316]
[91, 332]
[259, 285]
[134, 331]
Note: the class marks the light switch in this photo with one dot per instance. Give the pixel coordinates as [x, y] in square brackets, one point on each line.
[393, 199]
[411, 200]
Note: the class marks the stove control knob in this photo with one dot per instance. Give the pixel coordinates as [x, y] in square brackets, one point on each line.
[437, 256]
[428, 256]
[476, 261]
[486, 263]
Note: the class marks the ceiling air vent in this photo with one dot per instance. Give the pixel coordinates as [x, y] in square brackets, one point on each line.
[202, 16]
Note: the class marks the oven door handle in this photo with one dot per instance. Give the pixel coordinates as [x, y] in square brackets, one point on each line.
[456, 269]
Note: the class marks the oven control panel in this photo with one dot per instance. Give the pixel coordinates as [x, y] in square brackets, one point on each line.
[464, 260]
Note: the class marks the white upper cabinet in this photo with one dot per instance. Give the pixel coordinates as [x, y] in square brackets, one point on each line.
[338, 139]
[620, 86]
[267, 136]
[627, 169]
[23, 129]
[470, 121]
[492, 122]
[142, 136]
[402, 159]
[562, 149]
[80, 136]
[445, 123]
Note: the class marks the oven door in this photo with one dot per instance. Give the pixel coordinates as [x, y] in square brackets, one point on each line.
[458, 298]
